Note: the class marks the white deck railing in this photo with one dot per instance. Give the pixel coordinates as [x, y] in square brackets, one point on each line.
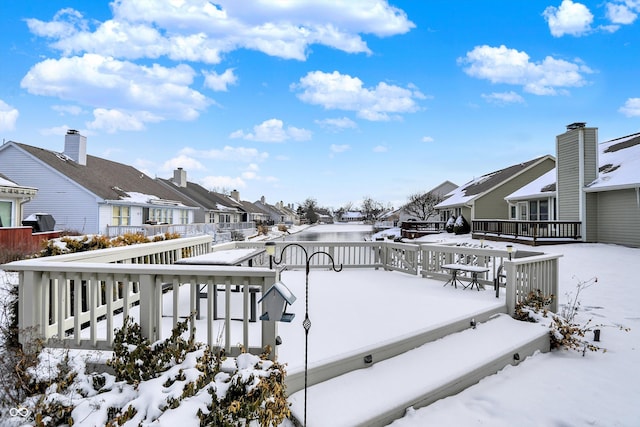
[77, 300]
[525, 272]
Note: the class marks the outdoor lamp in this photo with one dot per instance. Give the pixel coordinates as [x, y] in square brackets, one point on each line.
[270, 247]
[509, 251]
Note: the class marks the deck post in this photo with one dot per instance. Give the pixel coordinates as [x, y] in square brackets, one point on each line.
[149, 307]
[30, 306]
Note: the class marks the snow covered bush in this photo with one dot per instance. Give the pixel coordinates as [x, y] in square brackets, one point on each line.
[72, 244]
[170, 382]
[449, 225]
[461, 226]
[565, 332]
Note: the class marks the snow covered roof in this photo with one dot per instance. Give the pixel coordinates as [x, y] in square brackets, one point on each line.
[9, 186]
[541, 187]
[619, 167]
[619, 164]
[477, 187]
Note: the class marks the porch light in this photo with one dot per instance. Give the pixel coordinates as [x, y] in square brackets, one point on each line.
[509, 251]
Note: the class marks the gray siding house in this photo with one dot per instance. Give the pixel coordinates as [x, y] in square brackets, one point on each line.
[595, 183]
[84, 193]
[484, 197]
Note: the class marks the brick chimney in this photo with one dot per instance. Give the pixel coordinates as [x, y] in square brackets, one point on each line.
[180, 177]
[75, 147]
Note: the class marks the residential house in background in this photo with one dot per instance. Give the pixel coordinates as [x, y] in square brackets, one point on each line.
[12, 199]
[595, 186]
[86, 194]
[212, 207]
[484, 197]
[278, 213]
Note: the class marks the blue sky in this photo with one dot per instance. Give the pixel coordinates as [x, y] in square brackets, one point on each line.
[336, 101]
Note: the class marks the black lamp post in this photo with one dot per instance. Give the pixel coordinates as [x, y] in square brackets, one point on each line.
[306, 323]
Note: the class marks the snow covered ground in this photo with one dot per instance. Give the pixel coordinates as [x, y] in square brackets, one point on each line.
[561, 388]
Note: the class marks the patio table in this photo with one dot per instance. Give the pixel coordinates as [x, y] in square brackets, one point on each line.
[473, 269]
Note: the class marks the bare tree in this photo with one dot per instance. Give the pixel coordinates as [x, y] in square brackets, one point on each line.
[422, 205]
[371, 209]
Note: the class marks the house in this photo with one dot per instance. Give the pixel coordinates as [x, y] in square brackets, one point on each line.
[212, 207]
[12, 200]
[278, 213]
[596, 185]
[484, 197]
[352, 216]
[85, 193]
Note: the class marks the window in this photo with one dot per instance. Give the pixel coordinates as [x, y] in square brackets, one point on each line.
[539, 210]
[121, 215]
[212, 217]
[184, 216]
[5, 214]
[161, 215]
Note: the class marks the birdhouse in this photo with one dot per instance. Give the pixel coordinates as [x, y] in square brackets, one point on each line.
[274, 303]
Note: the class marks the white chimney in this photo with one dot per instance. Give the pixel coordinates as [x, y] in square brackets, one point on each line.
[235, 195]
[180, 177]
[75, 146]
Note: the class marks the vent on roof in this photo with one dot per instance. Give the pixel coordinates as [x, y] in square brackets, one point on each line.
[576, 125]
[608, 168]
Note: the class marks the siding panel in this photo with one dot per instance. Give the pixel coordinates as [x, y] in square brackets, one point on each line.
[619, 217]
[72, 207]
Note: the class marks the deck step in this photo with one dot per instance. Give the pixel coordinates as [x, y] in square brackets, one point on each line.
[381, 393]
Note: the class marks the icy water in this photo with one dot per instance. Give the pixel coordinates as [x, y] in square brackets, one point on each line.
[333, 233]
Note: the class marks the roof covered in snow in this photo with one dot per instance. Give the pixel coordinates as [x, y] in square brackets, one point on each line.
[619, 164]
[618, 168]
[477, 187]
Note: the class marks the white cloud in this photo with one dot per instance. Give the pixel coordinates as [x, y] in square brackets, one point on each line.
[114, 120]
[380, 149]
[219, 82]
[8, 116]
[631, 108]
[273, 130]
[337, 124]
[623, 12]
[154, 92]
[427, 139]
[509, 66]
[198, 30]
[182, 161]
[503, 98]
[570, 18]
[343, 92]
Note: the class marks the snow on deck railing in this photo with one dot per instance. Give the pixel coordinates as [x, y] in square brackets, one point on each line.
[402, 257]
[77, 300]
[526, 271]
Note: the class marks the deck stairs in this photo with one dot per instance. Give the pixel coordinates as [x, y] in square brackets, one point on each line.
[392, 378]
